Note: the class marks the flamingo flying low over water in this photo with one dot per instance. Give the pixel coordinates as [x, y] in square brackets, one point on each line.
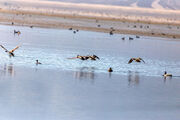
[11, 52]
[91, 57]
[136, 60]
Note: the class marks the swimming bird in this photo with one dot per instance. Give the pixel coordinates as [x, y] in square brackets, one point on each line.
[11, 52]
[110, 70]
[136, 60]
[137, 36]
[167, 75]
[37, 62]
[130, 38]
[123, 38]
[17, 32]
[111, 32]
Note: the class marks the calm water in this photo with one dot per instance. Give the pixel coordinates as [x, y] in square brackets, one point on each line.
[72, 89]
[52, 47]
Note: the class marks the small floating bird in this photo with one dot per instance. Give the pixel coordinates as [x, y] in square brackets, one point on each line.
[136, 60]
[130, 38]
[137, 36]
[111, 32]
[167, 75]
[110, 70]
[123, 38]
[11, 52]
[17, 32]
[37, 62]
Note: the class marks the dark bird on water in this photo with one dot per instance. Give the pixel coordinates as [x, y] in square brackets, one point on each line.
[136, 60]
[137, 36]
[167, 74]
[110, 70]
[17, 32]
[111, 32]
[123, 38]
[37, 62]
[130, 38]
[11, 52]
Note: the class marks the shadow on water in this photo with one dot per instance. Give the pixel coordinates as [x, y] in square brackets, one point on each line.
[85, 73]
[8, 70]
[133, 78]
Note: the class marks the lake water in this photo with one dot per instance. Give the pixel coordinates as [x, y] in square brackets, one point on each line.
[73, 89]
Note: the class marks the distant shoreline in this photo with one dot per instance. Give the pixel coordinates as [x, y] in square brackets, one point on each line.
[125, 20]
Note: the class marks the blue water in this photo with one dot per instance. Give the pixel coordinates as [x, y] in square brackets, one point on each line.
[83, 90]
[52, 47]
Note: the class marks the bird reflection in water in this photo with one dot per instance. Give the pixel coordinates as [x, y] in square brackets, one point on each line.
[8, 70]
[85, 73]
[133, 78]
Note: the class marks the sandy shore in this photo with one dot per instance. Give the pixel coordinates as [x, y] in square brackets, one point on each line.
[126, 20]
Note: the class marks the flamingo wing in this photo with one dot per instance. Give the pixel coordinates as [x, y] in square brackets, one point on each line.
[15, 49]
[4, 48]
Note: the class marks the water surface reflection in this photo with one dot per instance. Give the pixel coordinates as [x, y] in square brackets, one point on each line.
[85, 73]
[133, 78]
[8, 70]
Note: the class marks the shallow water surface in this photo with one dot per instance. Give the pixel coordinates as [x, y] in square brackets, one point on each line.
[52, 47]
[67, 89]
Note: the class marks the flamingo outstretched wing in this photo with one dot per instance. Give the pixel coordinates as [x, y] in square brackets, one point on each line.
[15, 49]
[4, 48]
